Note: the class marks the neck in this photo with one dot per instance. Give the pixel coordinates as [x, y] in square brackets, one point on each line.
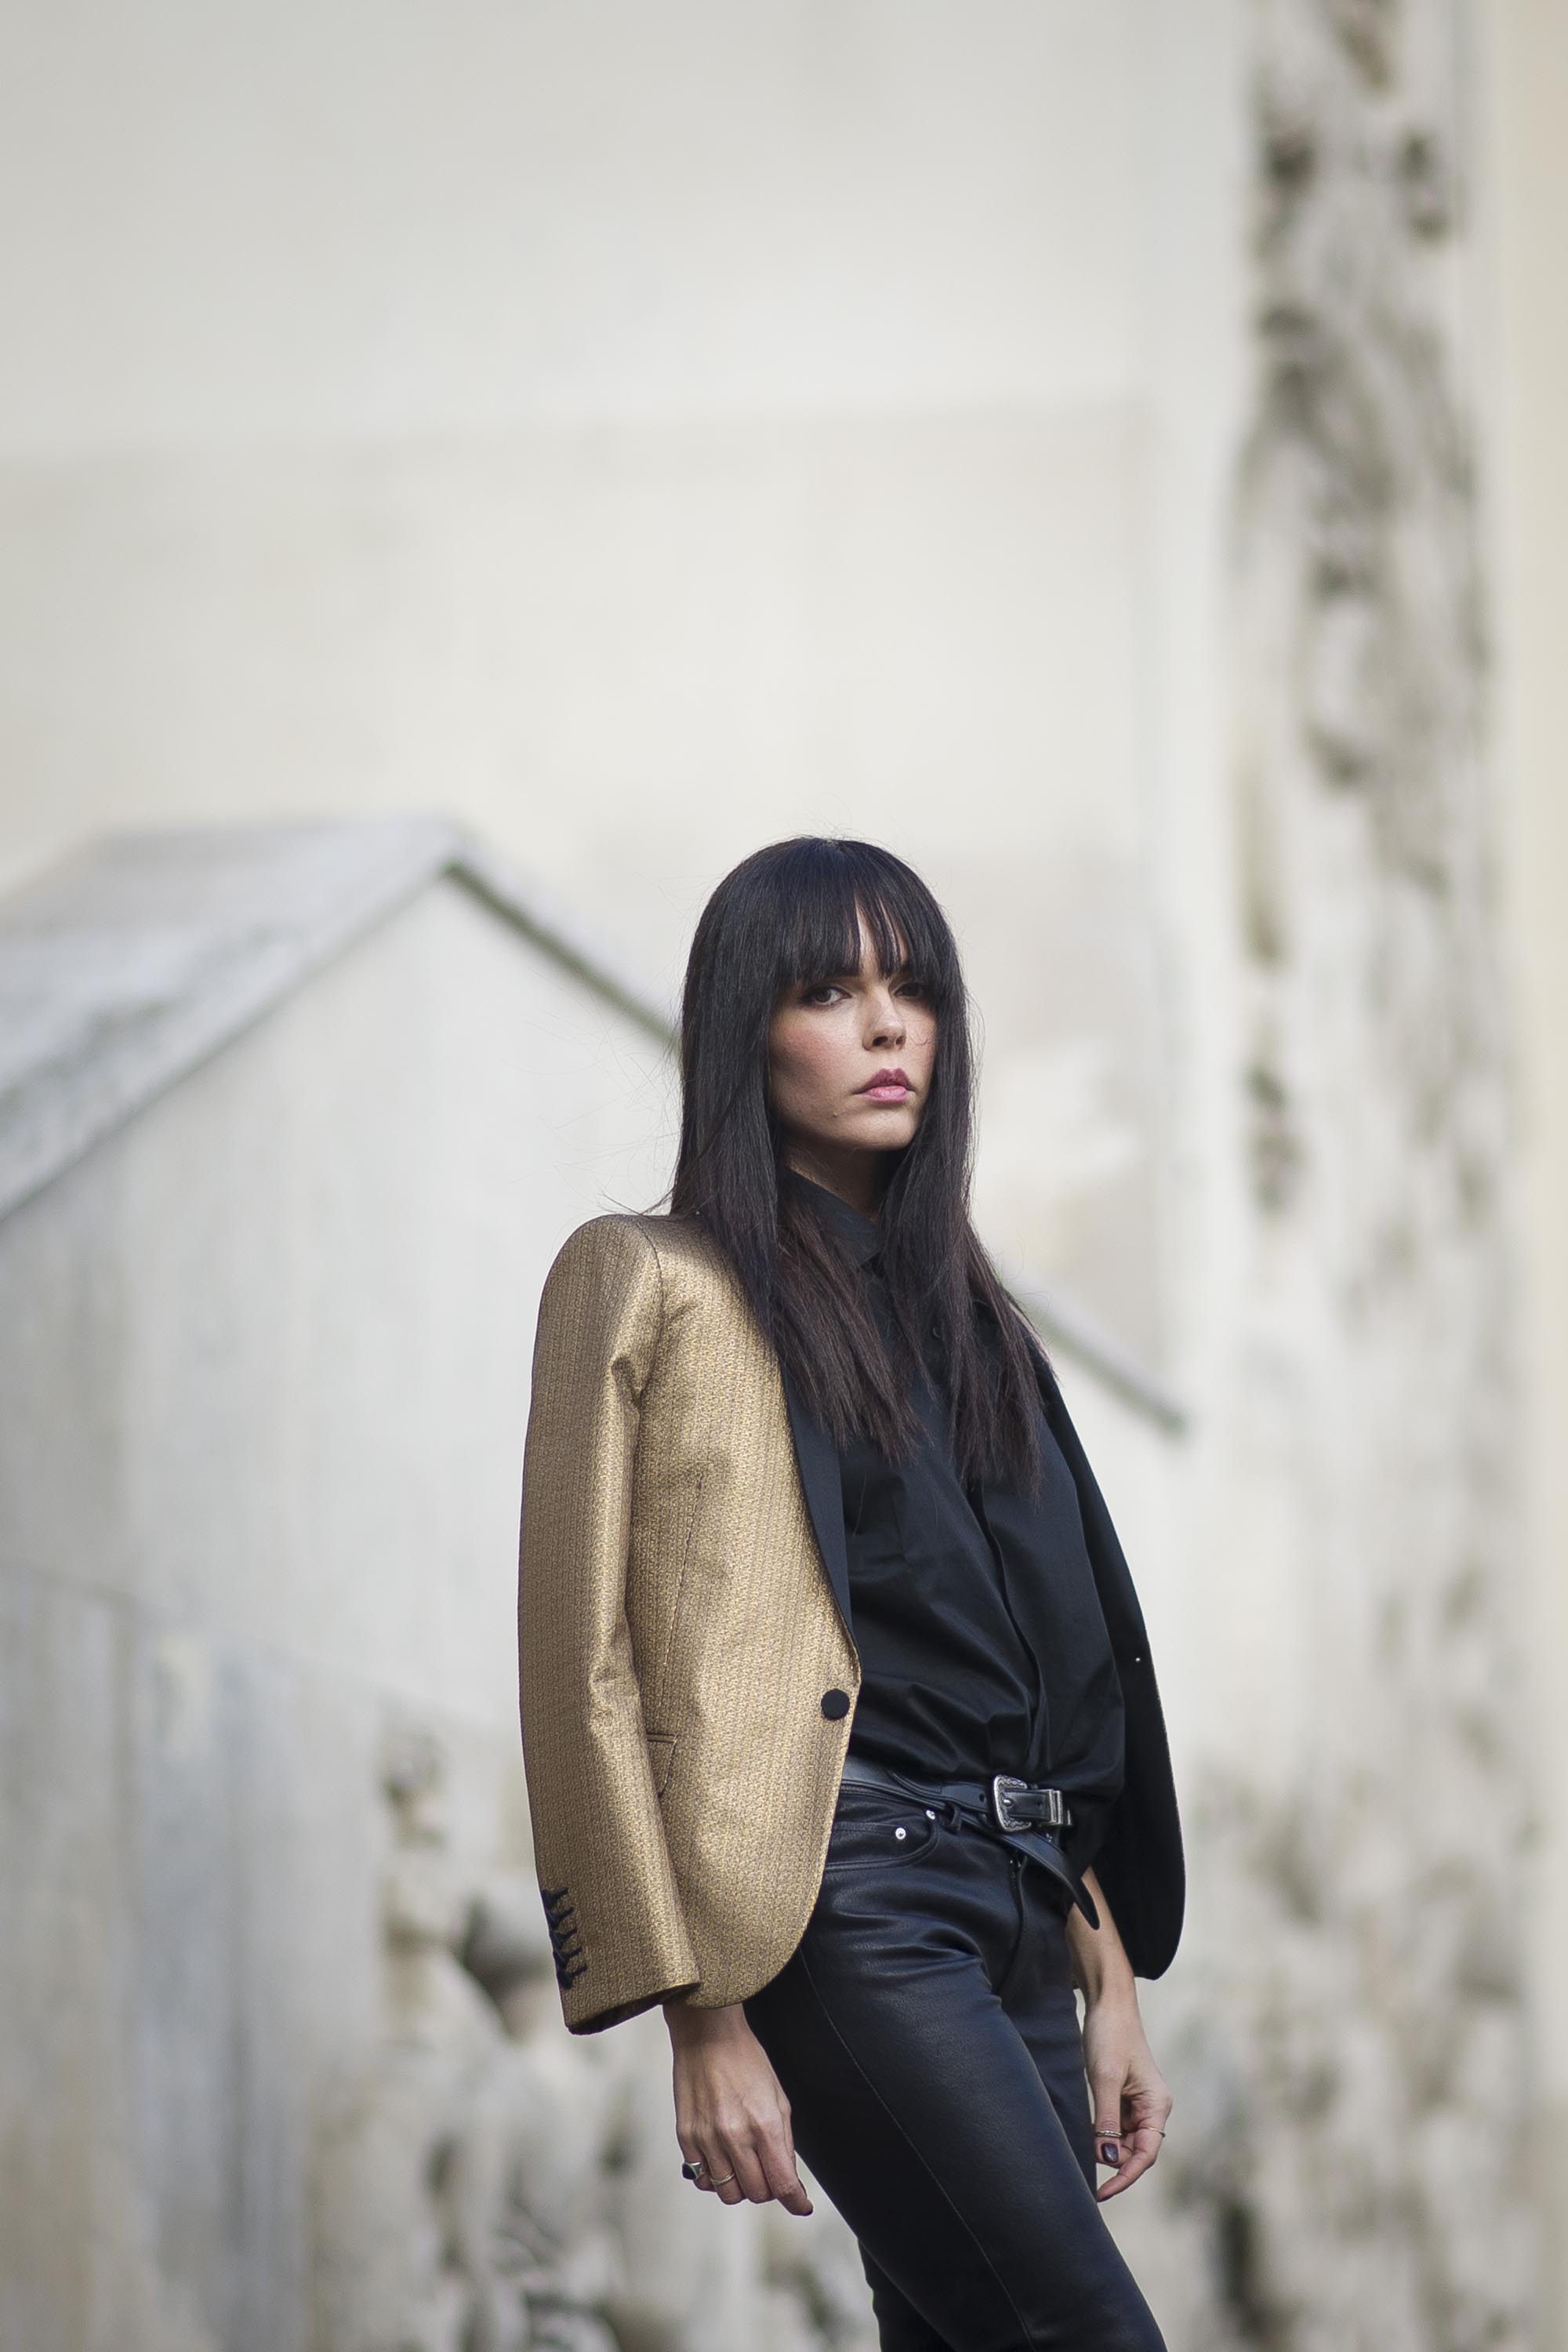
[860, 1178]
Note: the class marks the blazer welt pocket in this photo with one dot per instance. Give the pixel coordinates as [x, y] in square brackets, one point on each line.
[660, 1756]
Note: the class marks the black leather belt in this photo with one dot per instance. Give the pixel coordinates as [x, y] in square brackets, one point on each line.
[1024, 1815]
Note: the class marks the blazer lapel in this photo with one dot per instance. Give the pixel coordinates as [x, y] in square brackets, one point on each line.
[817, 1458]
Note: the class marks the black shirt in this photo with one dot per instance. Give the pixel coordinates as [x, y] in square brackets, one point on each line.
[983, 1646]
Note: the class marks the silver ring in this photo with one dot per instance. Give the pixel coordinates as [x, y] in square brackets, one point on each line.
[693, 2169]
[724, 2183]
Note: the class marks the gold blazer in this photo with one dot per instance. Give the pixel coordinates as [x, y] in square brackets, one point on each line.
[687, 1676]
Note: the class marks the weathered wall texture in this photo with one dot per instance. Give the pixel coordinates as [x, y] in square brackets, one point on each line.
[1351, 2037]
[1525, 177]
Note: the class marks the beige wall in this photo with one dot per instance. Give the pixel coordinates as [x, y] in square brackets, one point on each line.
[648, 432]
[1528, 168]
[260, 1459]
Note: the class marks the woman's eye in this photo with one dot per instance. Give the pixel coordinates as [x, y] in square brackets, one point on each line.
[821, 994]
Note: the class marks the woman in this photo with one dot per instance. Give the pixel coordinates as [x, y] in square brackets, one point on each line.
[842, 1737]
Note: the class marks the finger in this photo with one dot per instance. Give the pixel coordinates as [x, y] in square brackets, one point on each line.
[691, 2153]
[776, 2156]
[1107, 2146]
[741, 2158]
[1144, 2131]
[1140, 2148]
[724, 2173]
[719, 2178]
[1132, 2168]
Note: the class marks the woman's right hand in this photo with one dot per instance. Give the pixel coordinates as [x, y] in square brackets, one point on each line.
[731, 2114]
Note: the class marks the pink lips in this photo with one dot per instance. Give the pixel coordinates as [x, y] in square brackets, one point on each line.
[886, 1087]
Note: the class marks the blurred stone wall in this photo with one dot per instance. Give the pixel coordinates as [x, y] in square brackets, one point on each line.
[1522, 98]
[1351, 2044]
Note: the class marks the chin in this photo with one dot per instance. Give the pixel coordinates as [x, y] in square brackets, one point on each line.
[885, 1130]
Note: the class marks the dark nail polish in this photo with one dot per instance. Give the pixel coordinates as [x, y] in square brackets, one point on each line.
[1108, 2151]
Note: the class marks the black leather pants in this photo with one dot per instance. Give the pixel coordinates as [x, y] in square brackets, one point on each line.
[927, 2037]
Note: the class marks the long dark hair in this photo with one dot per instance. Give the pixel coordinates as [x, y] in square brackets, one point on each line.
[790, 916]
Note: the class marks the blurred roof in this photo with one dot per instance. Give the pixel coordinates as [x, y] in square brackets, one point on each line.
[134, 958]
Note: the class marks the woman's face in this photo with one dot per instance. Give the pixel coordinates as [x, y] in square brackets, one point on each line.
[849, 1064]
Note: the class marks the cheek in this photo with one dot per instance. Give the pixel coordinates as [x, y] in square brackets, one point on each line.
[919, 1047]
[808, 1066]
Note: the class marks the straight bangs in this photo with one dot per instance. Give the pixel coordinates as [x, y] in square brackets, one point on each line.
[828, 899]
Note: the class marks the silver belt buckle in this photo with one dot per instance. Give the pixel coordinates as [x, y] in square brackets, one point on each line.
[1004, 1788]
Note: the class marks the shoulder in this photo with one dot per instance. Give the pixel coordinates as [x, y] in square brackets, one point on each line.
[608, 1240]
[604, 1282]
[625, 1288]
[622, 1253]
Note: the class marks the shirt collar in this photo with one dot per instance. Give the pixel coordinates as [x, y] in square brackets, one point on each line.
[858, 1237]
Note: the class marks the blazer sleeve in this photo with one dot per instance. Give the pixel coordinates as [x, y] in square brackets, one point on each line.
[613, 1909]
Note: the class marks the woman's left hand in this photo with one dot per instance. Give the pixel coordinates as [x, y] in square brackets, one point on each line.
[1131, 2100]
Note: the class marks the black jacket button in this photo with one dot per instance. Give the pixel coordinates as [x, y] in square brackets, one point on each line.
[834, 1703]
